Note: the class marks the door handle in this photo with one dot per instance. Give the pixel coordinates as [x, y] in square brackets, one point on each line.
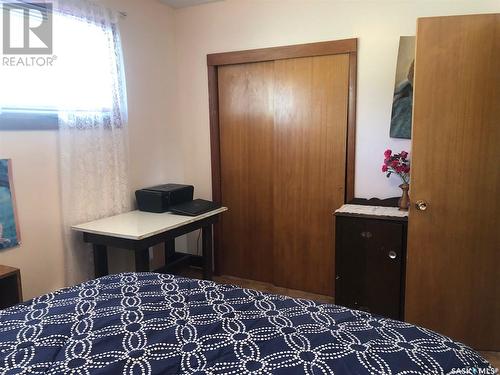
[421, 205]
[392, 254]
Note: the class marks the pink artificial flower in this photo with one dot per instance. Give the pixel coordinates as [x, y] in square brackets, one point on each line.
[406, 169]
[394, 163]
[384, 168]
[404, 154]
[387, 153]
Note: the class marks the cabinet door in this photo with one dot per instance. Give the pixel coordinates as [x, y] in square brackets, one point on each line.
[383, 269]
[350, 264]
[369, 265]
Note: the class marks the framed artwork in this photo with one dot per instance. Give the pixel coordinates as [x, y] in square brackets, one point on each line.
[9, 226]
[402, 102]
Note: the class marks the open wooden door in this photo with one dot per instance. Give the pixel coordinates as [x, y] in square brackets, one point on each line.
[453, 265]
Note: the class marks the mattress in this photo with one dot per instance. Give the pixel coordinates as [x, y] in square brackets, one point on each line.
[148, 323]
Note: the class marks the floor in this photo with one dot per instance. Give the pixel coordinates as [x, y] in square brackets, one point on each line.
[492, 357]
[258, 285]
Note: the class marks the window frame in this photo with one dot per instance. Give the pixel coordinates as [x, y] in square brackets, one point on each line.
[28, 120]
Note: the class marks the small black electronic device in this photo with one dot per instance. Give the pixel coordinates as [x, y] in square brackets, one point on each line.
[194, 208]
[160, 198]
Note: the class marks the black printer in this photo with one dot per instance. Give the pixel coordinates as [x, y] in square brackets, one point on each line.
[160, 198]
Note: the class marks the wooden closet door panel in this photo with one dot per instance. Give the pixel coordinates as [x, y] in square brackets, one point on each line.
[246, 147]
[453, 262]
[310, 125]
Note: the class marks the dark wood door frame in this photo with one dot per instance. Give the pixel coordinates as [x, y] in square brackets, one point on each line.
[345, 46]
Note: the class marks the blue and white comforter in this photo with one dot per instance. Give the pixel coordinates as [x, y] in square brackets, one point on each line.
[145, 323]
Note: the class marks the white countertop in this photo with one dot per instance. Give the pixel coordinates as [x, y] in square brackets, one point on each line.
[137, 225]
[359, 209]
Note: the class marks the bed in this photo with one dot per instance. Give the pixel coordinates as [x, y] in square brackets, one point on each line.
[148, 323]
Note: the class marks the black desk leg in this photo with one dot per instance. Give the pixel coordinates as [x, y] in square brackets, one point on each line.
[142, 260]
[100, 260]
[206, 233]
[169, 249]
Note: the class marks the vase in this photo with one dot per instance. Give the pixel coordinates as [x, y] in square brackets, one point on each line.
[404, 201]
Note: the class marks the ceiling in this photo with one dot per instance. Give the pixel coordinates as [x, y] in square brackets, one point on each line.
[185, 3]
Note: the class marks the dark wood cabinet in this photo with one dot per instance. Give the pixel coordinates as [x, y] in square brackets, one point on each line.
[370, 260]
[10, 287]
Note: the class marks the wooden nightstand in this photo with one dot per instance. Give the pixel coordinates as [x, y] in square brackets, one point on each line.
[10, 287]
[371, 259]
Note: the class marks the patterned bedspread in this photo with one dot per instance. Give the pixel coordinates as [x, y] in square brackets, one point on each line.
[145, 323]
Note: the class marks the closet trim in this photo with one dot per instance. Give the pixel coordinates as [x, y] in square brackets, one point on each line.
[344, 46]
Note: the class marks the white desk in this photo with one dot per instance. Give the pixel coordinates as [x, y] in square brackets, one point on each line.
[138, 230]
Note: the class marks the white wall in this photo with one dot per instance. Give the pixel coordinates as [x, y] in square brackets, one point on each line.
[36, 183]
[245, 24]
[148, 46]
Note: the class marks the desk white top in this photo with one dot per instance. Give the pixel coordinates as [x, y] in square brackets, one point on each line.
[136, 225]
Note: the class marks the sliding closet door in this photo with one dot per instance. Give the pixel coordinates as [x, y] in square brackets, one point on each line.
[246, 118]
[310, 117]
[453, 266]
[283, 129]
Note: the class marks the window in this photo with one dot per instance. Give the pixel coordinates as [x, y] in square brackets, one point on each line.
[77, 77]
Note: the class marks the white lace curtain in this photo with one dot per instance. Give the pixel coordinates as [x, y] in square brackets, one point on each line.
[93, 138]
